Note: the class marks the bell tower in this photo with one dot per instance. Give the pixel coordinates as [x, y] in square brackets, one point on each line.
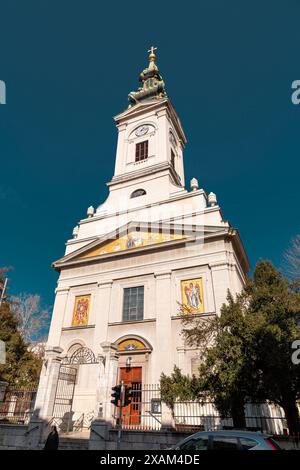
[149, 157]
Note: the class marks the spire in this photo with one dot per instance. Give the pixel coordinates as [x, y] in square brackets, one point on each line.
[152, 57]
[152, 87]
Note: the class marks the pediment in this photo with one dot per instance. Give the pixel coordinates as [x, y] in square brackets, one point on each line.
[134, 237]
[140, 107]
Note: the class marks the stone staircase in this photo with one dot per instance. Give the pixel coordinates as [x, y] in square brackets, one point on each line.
[74, 441]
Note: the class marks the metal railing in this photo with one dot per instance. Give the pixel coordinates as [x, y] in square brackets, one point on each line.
[17, 405]
[146, 412]
[195, 416]
[70, 423]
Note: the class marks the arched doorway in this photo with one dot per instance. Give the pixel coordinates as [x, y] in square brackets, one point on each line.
[66, 416]
[133, 362]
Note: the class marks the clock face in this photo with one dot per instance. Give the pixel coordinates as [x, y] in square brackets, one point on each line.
[142, 130]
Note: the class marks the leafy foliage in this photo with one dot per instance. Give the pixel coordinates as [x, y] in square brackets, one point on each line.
[246, 351]
[22, 367]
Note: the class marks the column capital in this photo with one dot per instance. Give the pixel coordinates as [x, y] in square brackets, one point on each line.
[161, 113]
[104, 284]
[62, 290]
[122, 126]
[108, 347]
[163, 274]
[53, 352]
[218, 265]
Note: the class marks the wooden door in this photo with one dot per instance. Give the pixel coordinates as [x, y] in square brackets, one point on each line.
[132, 376]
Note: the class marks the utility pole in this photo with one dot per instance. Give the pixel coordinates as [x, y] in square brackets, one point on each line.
[120, 418]
[121, 397]
[3, 291]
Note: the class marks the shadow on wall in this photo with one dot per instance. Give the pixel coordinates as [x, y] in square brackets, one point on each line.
[24, 436]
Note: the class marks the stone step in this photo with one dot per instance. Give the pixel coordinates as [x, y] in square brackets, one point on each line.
[69, 443]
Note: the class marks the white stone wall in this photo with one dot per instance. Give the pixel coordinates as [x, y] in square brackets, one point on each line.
[217, 258]
[160, 272]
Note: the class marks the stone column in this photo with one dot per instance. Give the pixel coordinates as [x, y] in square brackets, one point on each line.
[3, 386]
[102, 308]
[58, 316]
[48, 383]
[163, 136]
[107, 378]
[181, 357]
[221, 282]
[163, 325]
[99, 407]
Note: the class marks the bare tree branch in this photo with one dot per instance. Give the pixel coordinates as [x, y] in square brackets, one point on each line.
[32, 317]
[292, 258]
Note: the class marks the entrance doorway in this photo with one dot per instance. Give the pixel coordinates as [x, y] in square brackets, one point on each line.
[132, 376]
[62, 408]
[67, 417]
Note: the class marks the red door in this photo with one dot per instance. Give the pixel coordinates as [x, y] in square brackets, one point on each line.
[132, 376]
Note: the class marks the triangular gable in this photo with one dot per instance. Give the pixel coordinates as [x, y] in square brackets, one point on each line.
[134, 239]
[136, 236]
[139, 107]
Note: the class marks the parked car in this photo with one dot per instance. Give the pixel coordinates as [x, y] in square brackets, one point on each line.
[227, 440]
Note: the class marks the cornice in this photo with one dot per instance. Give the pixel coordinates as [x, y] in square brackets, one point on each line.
[175, 197]
[144, 172]
[142, 108]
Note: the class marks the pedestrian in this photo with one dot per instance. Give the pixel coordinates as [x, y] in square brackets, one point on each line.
[52, 440]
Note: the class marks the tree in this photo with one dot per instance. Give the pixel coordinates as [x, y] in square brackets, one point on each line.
[247, 350]
[276, 303]
[3, 286]
[22, 367]
[33, 320]
[226, 375]
[292, 258]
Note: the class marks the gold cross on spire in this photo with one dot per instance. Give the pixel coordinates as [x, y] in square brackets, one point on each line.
[152, 54]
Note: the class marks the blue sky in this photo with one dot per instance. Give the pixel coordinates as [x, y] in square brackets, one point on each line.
[68, 67]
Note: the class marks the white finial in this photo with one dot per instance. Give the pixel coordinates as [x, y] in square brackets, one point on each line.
[212, 199]
[152, 53]
[194, 184]
[75, 231]
[90, 211]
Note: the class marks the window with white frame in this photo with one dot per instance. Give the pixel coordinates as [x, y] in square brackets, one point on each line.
[133, 303]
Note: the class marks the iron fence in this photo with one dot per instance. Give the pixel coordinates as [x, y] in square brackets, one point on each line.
[17, 405]
[70, 425]
[195, 416]
[146, 412]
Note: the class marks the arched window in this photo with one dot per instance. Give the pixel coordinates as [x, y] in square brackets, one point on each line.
[137, 193]
[133, 344]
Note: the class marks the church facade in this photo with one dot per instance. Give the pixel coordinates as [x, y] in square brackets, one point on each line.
[151, 250]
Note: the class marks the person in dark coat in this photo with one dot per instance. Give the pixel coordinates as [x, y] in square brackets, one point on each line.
[52, 440]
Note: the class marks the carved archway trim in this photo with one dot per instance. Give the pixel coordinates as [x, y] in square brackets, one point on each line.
[133, 344]
[81, 355]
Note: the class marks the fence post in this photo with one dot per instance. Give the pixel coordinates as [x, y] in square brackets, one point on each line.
[12, 406]
[107, 378]
[3, 386]
[104, 408]
[48, 382]
[34, 435]
[167, 420]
